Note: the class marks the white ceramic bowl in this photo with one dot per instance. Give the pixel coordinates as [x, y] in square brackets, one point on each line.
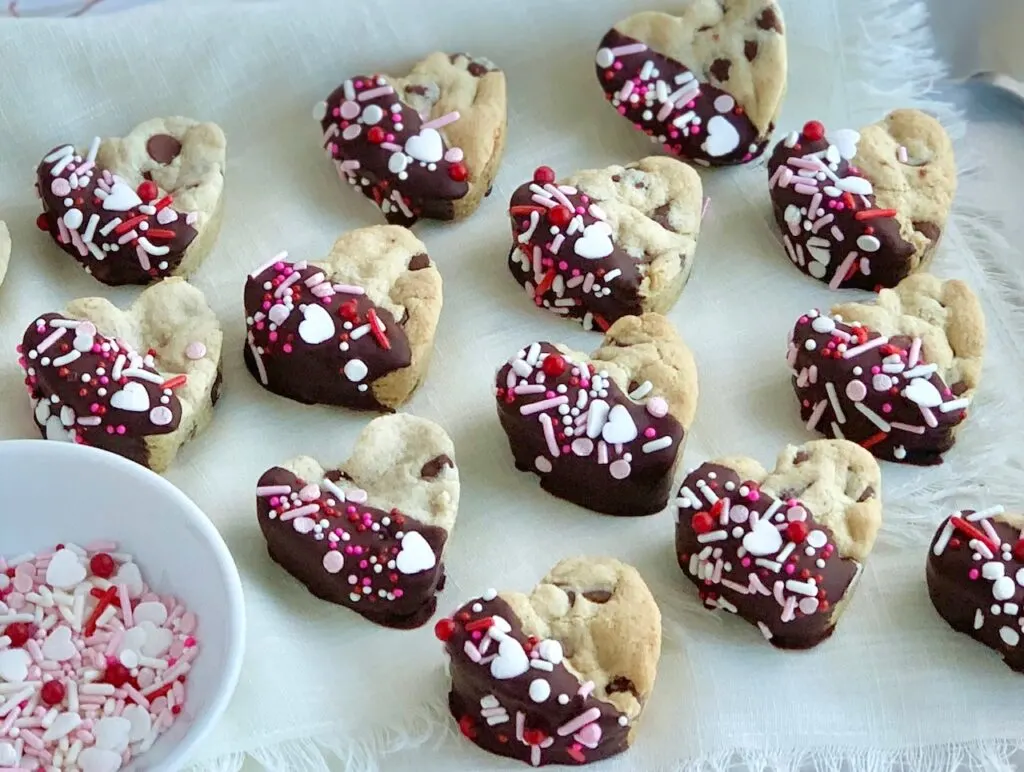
[55, 491]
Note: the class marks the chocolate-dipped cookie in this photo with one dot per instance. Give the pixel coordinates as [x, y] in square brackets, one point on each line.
[423, 145]
[706, 82]
[604, 431]
[140, 383]
[975, 572]
[355, 329]
[137, 209]
[895, 376]
[370, 533]
[863, 209]
[559, 676]
[781, 549]
[606, 243]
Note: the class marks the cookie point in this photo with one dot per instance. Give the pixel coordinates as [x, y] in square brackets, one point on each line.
[458, 172]
[702, 522]
[814, 130]
[443, 629]
[544, 175]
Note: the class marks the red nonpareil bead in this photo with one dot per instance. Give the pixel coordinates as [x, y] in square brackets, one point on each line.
[553, 365]
[19, 633]
[534, 737]
[148, 191]
[797, 531]
[560, 216]
[1018, 552]
[458, 172]
[102, 565]
[52, 693]
[349, 310]
[42, 223]
[466, 727]
[544, 175]
[814, 130]
[117, 675]
[702, 522]
[444, 629]
[375, 135]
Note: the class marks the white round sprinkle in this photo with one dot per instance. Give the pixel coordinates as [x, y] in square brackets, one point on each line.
[540, 690]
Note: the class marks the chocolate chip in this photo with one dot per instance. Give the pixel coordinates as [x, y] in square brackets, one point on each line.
[868, 493]
[660, 216]
[419, 262]
[163, 148]
[405, 316]
[147, 175]
[218, 386]
[639, 186]
[571, 595]
[929, 230]
[720, 69]
[705, 28]
[435, 466]
[750, 50]
[622, 684]
[958, 388]
[788, 493]
[769, 20]
[597, 596]
[416, 89]
[801, 456]
[338, 474]
[477, 70]
[490, 190]
[616, 178]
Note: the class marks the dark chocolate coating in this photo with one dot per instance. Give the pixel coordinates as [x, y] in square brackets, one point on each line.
[837, 232]
[115, 238]
[804, 628]
[409, 600]
[584, 479]
[316, 373]
[425, 192]
[909, 429]
[679, 140]
[577, 280]
[474, 686]
[76, 385]
[965, 602]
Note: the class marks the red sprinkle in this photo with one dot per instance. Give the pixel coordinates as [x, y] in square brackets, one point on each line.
[130, 223]
[105, 599]
[873, 440]
[702, 522]
[534, 736]
[349, 310]
[867, 214]
[42, 223]
[797, 531]
[545, 283]
[102, 565]
[375, 135]
[458, 172]
[156, 693]
[553, 365]
[466, 726]
[1018, 552]
[159, 233]
[814, 130]
[444, 629]
[544, 175]
[19, 633]
[175, 382]
[52, 693]
[602, 323]
[377, 329]
[525, 211]
[117, 675]
[973, 533]
[148, 190]
[483, 623]
[560, 216]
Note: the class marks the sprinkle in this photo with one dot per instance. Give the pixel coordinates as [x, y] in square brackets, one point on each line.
[549, 434]
[770, 564]
[945, 407]
[873, 440]
[984, 514]
[443, 120]
[872, 416]
[175, 382]
[858, 350]
[575, 724]
[921, 371]
[837, 408]
[659, 444]
[712, 536]
[373, 93]
[973, 534]
[868, 214]
[544, 404]
[908, 428]
[844, 267]
[816, 414]
[291, 514]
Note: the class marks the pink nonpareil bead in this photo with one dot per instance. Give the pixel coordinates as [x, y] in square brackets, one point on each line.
[566, 449]
[549, 394]
[104, 380]
[695, 129]
[617, 66]
[580, 210]
[273, 337]
[274, 501]
[649, 432]
[790, 568]
[754, 495]
[621, 109]
[886, 408]
[366, 581]
[477, 635]
[399, 593]
[562, 265]
[972, 574]
[876, 370]
[745, 562]
[287, 348]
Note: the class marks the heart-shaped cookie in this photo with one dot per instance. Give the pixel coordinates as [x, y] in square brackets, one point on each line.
[895, 376]
[559, 676]
[356, 329]
[604, 431]
[369, 534]
[863, 209]
[784, 549]
[138, 209]
[606, 243]
[975, 574]
[140, 383]
[706, 83]
[427, 144]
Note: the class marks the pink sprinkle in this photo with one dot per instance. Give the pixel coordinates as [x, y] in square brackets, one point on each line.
[477, 635]
[399, 593]
[745, 562]
[649, 432]
[754, 495]
[876, 370]
[972, 574]
[617, 66]
[287, 348]
[790, 568]
[886, 408]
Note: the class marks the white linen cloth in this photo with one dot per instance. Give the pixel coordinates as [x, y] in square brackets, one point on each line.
[323, 688]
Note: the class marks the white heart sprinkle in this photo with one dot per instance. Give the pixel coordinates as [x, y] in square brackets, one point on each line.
[349, 110]
[823, 324]
[582, 446]
[99, 760]
[132, 396]
[542, 464]
[158, 640]
[869, 243]
[317, 325]
[14, 665]
[596, 241]
[112, 733]
[620, 427]
[1010, 636]
[58, 645]
[356, 495]
[817, 539]
[150, 611]
[65, 570]
[722, 137]
[426, 146]
[132, 640]
[856, 185]
[356, 370]
[62, 726]
[278, 314]
[166, 216]
[416, 554]
[8, 756]
[352, 131]
[923, 393]
[129, 658]
[808, 605]
[511, 660]
[792, 215]
[140, 722]
[55, 430]
[551, 650]
[845, 141]
[881, 382]
[764, 539]
[121, 197]
[130, 576]
[739, 513]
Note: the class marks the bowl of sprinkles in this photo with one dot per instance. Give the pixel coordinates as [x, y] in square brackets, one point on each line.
[122, 623]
